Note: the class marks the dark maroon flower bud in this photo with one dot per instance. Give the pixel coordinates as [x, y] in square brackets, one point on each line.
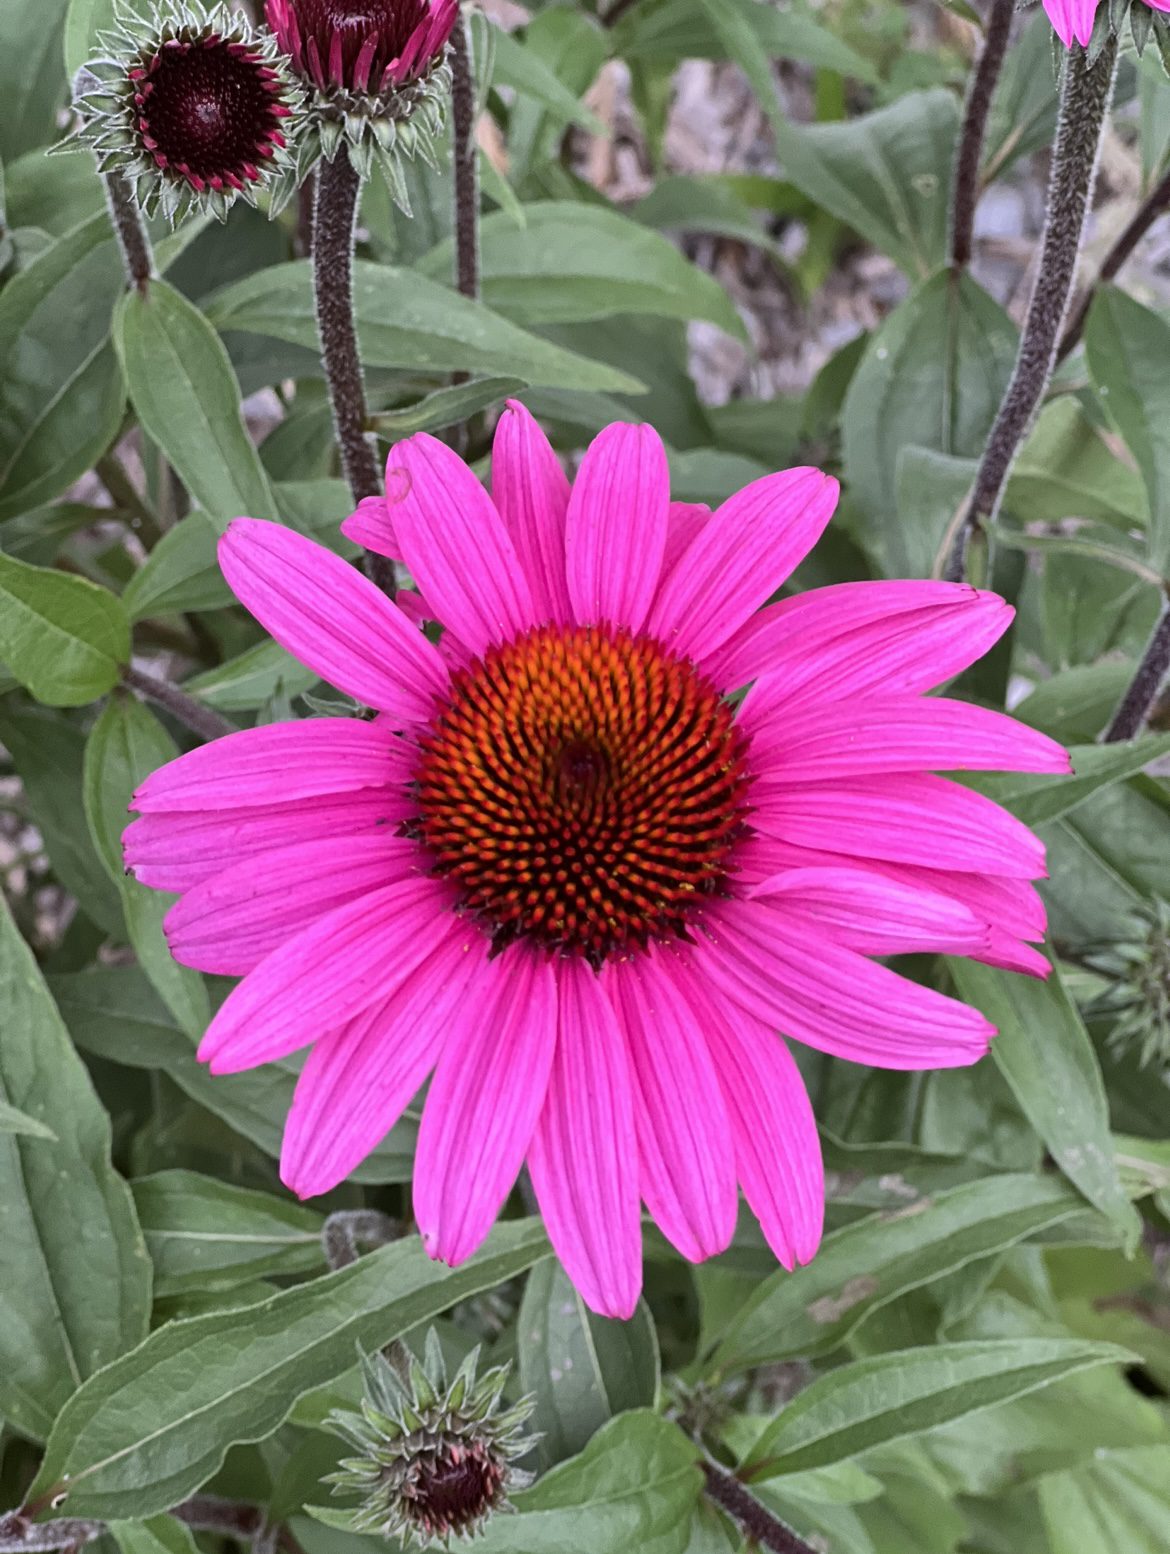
[377, 74]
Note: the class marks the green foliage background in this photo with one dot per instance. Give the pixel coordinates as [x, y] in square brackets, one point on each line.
[979, 1359]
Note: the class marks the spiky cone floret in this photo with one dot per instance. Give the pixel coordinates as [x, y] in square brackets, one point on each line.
[378, 79]
[435, 1458]
[1137, 995]
[194, 107]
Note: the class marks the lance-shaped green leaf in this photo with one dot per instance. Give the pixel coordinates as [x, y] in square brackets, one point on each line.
[1044, 1053]
[32, 75]
[156, 1535]
[185, 394]
[63, 637]
[582, 1369]
[867, 1264]
[1123, 1496]
[406, 320]
[155, 1425]
[573, 262]
[73, 1267]
[445, 407]
[204, 1234]
[13, 1120]
[891, 1396]
[1125, 347]
[126, 745]
[1038, 800]
[61, 391]
[83, 21]
[634, 1488]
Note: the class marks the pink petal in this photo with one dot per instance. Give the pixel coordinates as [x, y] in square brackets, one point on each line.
[739, 558]
[1074, 18]
[358, 1079]
[371, 527]
[615, 531]
[687, 520]
[483, 1103]
[875, 915]
[531, 492]
[276, 763]
[329, 973]
[178, 851]
[896, 734]
[795, 979]
[777, 1147]
[923, 633]
[905, 818]
[229, 924]
[333, 619]
[455, 545]
[583, 1159]
[684, 1137]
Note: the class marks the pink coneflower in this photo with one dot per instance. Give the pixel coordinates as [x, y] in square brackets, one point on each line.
[564, 873]
[363, 45]
[1073, 19]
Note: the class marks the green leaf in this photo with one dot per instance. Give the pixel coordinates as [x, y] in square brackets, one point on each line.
[445, 407]
[1044, 1053]
[885, 174]
[1126, 346]
[932, 377]
[156, 1424]
[871, 1262]
[206, 1234]
[582, 1369]
[405, 320]
[1038, 800]
[32, 74]
[181, 573]
[525, 72]
[251, 679]
[63, 637]
[13, 1120]
[114, 1013]
[573, 262]
[157, 1535]
[184, 391]
[891, 1396]
[668, 31]
[1066, 469]
[126, 745]
[83, 21]
[61, 391]
[73, 1266]
[1122, 1501]
[635, 1487]
[48, 751]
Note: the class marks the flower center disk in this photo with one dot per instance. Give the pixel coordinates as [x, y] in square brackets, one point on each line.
[584, 789]
[208, 109]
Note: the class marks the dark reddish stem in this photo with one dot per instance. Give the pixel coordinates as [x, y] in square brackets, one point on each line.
[1084, 104]
[754, 1520]
[184, 709]
[1138, 702]
[966, 184]
[466, 168]
[131, 234]
[334, 229]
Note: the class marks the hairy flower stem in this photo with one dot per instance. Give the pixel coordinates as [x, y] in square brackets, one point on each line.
[19, 1534]
[756, 1523]
[1085, 97]
[334, 226]
[130, 232]
[1138, 702]
[466, 164]
[1153, 206]
[183, 708]
[965, 184]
